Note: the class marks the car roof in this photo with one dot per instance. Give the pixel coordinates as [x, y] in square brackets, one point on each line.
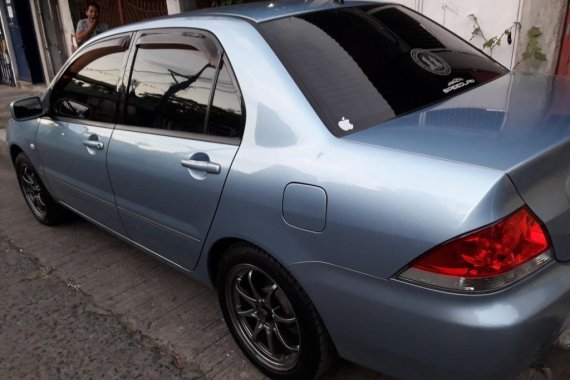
[250, 12]
[270, 10]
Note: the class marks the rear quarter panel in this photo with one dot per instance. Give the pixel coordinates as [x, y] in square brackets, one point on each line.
[384, 207]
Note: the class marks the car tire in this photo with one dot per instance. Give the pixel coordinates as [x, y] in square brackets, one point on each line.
[271, 317]
[46, 210]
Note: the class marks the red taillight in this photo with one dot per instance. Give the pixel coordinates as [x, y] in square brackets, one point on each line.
[485, 254]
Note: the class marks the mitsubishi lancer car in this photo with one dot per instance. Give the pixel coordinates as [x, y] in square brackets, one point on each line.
[352, 178]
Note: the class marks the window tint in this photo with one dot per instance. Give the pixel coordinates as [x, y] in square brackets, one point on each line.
[170, 88]
[88, 88]
[225, 118]
[361, 66]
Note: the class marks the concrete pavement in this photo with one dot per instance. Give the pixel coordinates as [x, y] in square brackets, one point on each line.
[52, 330]
[150, 301]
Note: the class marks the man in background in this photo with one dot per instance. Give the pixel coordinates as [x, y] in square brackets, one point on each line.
[90, 26]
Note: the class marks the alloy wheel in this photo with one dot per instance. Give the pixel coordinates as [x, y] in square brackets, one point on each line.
[263, 317]
[33, 191]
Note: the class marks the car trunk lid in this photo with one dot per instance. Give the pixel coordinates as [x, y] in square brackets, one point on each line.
[519, 124]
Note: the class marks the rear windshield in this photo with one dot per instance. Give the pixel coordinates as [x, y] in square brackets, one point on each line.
[361, 66]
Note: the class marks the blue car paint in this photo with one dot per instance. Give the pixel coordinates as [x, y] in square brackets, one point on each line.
[388, 201]
[408, 332]
[529, 142]
[77, 174]
[163, 205]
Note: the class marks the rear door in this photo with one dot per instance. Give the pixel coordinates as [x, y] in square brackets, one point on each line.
[181, 128]
[74, 138]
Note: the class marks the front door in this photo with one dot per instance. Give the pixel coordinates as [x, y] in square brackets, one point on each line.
[74, 139]
[169, 159]
[564, 60]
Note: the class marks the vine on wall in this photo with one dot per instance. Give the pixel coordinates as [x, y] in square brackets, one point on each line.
[533, 49]
[493, 42]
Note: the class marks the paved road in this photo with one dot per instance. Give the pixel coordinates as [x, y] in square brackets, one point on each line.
[50, 329]
[118, 305]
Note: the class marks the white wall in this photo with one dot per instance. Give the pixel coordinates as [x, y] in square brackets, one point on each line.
[494, 17]
[66, 23]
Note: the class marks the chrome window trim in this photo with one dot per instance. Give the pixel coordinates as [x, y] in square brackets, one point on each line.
[179, 134]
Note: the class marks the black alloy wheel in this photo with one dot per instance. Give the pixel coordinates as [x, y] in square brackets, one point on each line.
[270, 316]
[40, 202]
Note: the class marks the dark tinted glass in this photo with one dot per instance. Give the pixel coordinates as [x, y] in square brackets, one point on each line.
[225, 117]
[361, 66]
[170, 88]
[88, 88]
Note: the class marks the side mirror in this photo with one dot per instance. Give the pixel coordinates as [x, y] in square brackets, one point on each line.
[26, 109]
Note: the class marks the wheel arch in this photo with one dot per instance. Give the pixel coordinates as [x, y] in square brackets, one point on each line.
[217, 250]
[15, 150]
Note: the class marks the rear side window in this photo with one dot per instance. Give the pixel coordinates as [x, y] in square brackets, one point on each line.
[87, 89]
[225, 118]
[170, 88]
[179, 83]
[361, 66]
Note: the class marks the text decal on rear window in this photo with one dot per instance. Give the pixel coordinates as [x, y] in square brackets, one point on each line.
[456, 84]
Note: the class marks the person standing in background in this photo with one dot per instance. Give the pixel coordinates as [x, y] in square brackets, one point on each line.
[90, 26]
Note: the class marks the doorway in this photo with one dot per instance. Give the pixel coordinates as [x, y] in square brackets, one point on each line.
[24, 41]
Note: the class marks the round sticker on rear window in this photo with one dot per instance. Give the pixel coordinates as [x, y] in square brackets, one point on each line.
[430, 62]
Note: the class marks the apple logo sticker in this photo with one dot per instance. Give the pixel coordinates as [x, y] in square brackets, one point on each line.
[345, 125]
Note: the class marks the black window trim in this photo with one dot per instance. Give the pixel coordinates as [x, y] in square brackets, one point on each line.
[223, 60]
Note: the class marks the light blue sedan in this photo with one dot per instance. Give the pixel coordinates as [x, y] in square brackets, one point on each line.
[352, 178]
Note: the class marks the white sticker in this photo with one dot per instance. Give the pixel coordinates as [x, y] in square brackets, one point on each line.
[457, 83]
[430, 62]
[345, 124]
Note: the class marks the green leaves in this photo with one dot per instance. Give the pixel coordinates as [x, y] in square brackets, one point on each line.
[534, 32]
[533, 48]
[494, 41]
[490, 44]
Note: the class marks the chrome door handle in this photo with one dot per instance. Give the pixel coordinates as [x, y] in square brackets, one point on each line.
[205, 166]
[94, 144]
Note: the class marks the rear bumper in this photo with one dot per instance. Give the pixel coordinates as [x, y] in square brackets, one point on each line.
[415, 333]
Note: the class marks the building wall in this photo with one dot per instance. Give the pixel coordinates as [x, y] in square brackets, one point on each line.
[549, 16]
[67, 23]
[494, 16]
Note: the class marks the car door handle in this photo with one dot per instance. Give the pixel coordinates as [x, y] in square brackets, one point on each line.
[94, 144]
[205, 166]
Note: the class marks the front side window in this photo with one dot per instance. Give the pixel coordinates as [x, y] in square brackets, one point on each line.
[87, 90]
[361, 66]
